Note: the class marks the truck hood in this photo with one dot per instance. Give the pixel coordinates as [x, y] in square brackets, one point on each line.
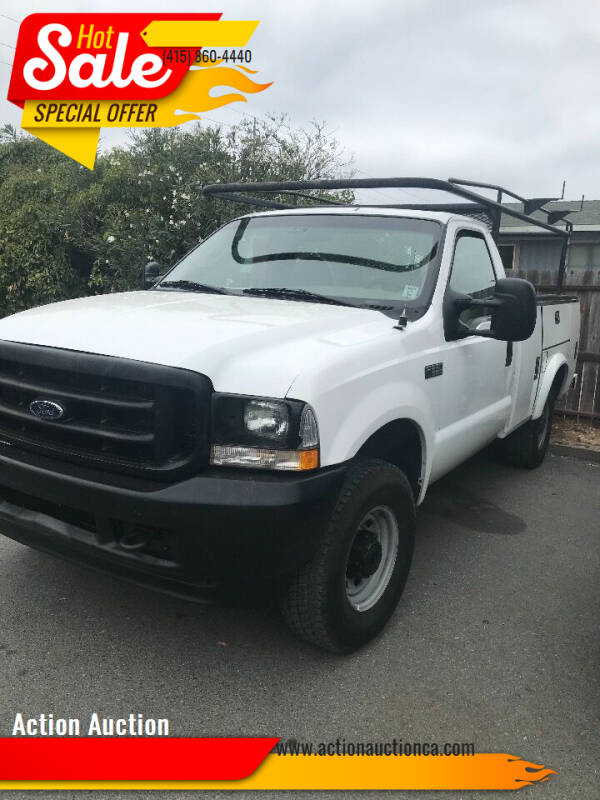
[247, 345]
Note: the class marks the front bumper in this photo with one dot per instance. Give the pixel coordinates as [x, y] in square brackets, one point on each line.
[199, 536]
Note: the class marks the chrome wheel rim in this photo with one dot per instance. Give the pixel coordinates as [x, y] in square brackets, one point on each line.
[372, 558]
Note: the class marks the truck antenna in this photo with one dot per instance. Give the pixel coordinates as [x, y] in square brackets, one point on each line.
[402, 320]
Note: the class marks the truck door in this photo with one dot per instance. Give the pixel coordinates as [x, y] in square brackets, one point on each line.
[473, 400]
[528, 367]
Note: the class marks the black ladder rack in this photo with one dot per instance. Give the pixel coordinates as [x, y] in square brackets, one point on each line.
[244, 193]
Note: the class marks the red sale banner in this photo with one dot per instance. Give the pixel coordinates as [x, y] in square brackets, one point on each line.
[76, 73]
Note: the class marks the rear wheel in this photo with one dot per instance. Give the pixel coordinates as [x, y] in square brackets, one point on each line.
[342, 598]
[528, 445]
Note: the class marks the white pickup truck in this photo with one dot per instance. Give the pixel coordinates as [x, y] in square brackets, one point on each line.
[275, 407]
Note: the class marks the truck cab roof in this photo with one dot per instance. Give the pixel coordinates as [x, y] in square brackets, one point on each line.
[442, 217]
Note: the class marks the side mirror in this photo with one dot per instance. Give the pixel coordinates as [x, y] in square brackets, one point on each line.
[150, 274]
[513, 310]
[514, 318]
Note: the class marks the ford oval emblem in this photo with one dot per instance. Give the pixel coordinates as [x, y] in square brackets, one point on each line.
[47, 409]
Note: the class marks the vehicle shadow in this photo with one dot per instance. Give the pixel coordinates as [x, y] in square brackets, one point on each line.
[453, 499]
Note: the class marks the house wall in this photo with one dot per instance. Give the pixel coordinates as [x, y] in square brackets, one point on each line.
[540, 256]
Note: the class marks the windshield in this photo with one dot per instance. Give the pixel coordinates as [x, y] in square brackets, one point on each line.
[371, 261]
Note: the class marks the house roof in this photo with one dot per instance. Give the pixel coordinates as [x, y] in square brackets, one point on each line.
[584, 217]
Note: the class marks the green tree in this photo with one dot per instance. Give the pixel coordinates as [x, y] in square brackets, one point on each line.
[40, 260]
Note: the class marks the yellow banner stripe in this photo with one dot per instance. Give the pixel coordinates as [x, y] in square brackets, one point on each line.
[199, 33]
[74, 127]
[80, 144]
[481, 772]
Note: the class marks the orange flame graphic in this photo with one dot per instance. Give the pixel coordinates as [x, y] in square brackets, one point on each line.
[538, 773]
[193, 95]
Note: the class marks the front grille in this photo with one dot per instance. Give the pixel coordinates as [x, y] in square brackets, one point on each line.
[122, 415]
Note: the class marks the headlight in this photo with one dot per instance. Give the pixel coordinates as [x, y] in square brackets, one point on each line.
[267, 418]
[263, 433]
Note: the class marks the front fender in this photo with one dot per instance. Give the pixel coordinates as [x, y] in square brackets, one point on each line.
[347, 422]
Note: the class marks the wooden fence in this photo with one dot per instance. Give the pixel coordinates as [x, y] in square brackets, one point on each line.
[583, 401]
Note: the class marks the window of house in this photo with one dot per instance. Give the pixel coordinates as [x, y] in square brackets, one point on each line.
[579, 256]
[584, 256]
[507, 254]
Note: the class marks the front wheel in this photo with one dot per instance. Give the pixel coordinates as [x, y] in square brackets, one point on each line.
[342, 598]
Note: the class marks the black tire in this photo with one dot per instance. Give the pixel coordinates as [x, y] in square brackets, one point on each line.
[527, 446]
[315, 604]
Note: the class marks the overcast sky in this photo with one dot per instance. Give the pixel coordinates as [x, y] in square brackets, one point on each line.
[499, 91]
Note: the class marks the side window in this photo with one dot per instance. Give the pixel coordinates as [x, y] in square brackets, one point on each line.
[473, 274]
[472, 268]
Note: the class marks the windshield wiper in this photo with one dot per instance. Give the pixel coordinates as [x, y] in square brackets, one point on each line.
[296, 294]
[191, 286]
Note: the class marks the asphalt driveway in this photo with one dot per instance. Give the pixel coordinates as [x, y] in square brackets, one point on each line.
[495, 642]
